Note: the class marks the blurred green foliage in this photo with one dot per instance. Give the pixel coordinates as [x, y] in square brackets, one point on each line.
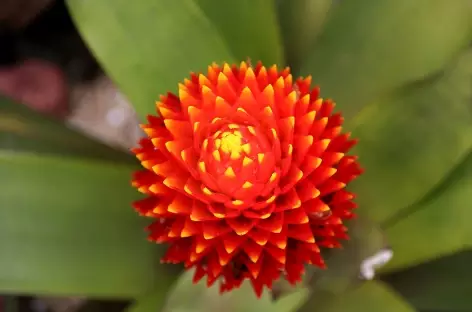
[400, 72]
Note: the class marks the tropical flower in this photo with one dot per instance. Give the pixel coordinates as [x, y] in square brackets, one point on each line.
[245, 175]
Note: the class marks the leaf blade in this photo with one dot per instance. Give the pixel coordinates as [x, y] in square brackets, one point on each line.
[201, 298]
[301, 23]
[409, 143]
[52, 241]
[66, 223]
[366, 298]
[23, 130]
[145, 66]
[451, 230]
[445, 283]
[239, 23]
[133, 59]
[361, 57]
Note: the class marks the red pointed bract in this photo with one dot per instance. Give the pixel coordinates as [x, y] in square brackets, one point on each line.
[245, 174]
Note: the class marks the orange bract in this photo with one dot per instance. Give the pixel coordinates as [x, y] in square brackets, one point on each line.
[245, 175]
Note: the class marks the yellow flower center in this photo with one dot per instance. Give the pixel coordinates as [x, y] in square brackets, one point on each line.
[231, 143]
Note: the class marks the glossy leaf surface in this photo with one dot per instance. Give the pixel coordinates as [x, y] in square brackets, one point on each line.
[66, 225]
[369, 297]
[425, 169]
[370, 48]
[187, 297]
[301, 23]
[445, 283]
[438, 226]
[410, 143]
[22, 130]
[149, 47]
[248, 27]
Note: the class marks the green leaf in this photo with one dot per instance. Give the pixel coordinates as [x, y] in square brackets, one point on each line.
[201, 298]
[369, 47]
[409, 143]
[149, 47]
[445, 283]
[22, 130]
[150, 302]
[248, 27]
[438, 226]
[66, 223]
[301, 22]
[369, 297]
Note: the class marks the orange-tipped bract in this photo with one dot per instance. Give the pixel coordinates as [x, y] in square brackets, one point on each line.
[245, 174]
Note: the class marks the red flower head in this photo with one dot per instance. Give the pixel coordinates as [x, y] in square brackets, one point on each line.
[245, 172]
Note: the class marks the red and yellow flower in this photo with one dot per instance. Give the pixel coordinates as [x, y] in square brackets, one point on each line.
[245, 174]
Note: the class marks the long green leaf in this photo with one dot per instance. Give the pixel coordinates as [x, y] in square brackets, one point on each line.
[369, 47]
[66, 225]
[369, 297]
[151, 45]
[187, 297]
[22, 130]
[445, 284]
[248, 27]
[301, 22]
[411, 142]
[438, 226]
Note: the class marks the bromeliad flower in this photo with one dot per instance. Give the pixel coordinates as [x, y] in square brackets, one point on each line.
[245, 172]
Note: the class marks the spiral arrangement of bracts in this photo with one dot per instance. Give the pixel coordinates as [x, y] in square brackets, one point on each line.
[245, 174]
